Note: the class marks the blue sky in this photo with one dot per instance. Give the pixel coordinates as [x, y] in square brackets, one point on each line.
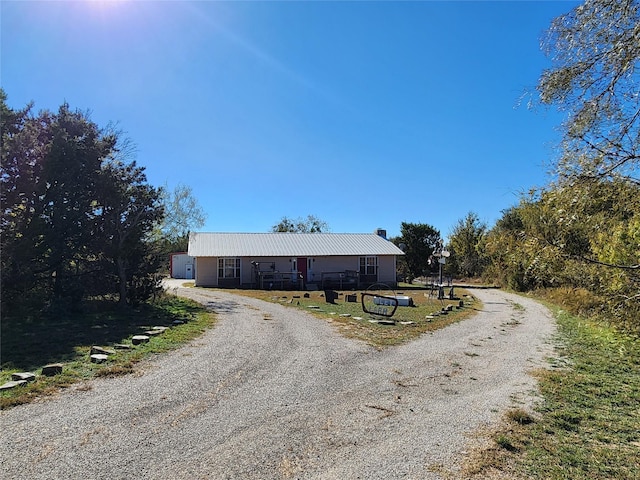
[365, 114]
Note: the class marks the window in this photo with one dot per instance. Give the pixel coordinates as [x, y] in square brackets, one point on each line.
[368, 265]
[228, 268]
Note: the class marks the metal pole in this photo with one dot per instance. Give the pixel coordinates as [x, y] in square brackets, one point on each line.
[440, 287]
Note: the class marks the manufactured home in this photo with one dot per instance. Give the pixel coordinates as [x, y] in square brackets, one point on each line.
[295, 261]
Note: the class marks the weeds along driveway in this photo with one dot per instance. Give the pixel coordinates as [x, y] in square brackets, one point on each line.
[274, 393]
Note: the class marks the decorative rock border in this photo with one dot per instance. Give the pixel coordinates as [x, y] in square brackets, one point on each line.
[138, 339]
[26, 376]
[99, 358]
[18, 379]
[52, 369]
[96, 355]
[101, 351]
[12, 384]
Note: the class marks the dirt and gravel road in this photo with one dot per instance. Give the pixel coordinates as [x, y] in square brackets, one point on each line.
[272, 393]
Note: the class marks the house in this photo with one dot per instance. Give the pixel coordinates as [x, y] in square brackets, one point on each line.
[293, 260]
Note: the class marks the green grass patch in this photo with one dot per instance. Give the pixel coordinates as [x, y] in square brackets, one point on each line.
[30, 343]
[349, 318]
[588, 424]
[517, 306]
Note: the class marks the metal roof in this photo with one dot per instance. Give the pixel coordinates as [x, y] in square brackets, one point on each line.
[289, 244]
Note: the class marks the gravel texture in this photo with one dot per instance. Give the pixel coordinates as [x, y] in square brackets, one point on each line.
[273, 393]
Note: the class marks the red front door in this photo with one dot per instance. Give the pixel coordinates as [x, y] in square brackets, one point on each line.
[302, 267]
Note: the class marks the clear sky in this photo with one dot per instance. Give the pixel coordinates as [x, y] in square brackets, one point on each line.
[365, 114]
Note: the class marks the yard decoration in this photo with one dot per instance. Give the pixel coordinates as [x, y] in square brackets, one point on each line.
[377, 304]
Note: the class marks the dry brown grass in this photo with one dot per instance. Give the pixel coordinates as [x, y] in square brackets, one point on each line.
[493, 450]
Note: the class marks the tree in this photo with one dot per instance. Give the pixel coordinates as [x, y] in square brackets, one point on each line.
[129, 209]
[580, 236]
[22, 148]
[182, 214]
[580, 230]
[519, 253]
[595, 50]
[466, 242]
[420, 240]
[71, 171]
[311, 224]
[75, 219]
[50, 166]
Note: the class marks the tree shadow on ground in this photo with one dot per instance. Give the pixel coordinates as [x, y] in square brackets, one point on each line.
[29, 342]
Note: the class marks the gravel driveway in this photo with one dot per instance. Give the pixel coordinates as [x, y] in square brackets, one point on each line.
[273, 393]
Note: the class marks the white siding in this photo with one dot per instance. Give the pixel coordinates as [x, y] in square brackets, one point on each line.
[179, 262]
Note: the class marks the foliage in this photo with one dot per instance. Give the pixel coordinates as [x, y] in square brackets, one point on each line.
[75, 217]
[419, 241]
[129, 208]
[582, 236]
[21, 166]
[581, 231]
[311, 224]
[182, 214]
[595, 50]
[466, 244]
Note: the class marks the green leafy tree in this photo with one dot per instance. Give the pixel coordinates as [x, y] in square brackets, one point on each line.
[520, 254]
[595, 49]
[22, 152]
[579, 230]
[418, 240]
[183, 214]
[594, 77]
[129, 209]
[504, 244]
[72, 169]
[50, 165]
[466, 244]
[310, 224]
[72, 215]
[581, 236]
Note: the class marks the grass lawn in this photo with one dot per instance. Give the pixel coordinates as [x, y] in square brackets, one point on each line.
[29, 343]
[407, 323]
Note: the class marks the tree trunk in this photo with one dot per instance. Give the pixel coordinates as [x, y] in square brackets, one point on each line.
[122, 276]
